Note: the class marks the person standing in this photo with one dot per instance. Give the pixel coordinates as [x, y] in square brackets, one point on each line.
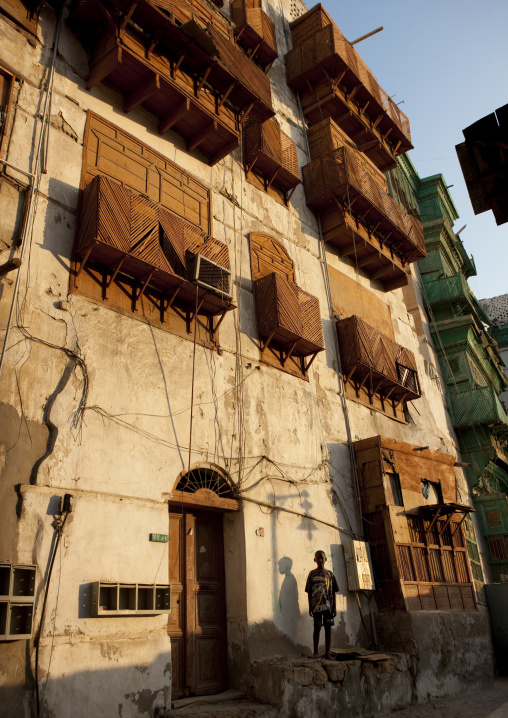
[321, 588]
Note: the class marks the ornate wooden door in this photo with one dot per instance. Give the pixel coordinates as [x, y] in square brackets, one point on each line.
[197, 623]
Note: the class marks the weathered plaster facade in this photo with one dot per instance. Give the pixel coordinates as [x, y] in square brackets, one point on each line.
[97, 404]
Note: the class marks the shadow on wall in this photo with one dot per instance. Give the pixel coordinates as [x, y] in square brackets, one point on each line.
[128, 691]
[288, 605]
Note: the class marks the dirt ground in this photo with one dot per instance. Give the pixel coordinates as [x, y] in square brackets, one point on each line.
[490, 703]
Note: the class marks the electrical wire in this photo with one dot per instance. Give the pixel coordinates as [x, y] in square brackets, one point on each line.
[33, 190]
[58, 527]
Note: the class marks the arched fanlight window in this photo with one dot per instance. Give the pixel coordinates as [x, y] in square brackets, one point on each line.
[205, 478]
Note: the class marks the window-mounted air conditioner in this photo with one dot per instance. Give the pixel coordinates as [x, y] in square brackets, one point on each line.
[209, 275]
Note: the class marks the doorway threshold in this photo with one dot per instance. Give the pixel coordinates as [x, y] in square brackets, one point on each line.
[232, 694]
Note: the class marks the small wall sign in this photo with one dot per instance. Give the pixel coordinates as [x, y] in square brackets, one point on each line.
[160, 538]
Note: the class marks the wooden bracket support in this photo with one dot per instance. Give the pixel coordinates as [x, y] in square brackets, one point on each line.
[434, 519]
[202, 136]
[84, 261]
[174, 116]
[175, 66]
[249, 168]
[222, 99]
[142, 93]
[115, 272]
[307, 366]
[290, 194]
[285, 357]
[246, 110]
[196, 311]
[145, 283]
[127, 17]
[268, 181]
[204, 78]
[216, 327]
[264, 346]
[459, 524]
[443, 528]
[253, 51]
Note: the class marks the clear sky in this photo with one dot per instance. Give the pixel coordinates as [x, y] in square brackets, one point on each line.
[448, 62]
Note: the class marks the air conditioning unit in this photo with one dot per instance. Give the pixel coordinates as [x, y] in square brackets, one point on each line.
[358, 566]
[209, 275]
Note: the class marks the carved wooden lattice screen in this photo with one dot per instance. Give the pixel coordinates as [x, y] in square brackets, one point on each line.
[112, 152]
[144, 222]
[289, 319]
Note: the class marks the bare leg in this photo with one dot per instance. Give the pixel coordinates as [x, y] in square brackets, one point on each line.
[328, 640]
[315, 636]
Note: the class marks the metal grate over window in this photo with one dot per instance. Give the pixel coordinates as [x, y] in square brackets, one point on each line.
[205, 478]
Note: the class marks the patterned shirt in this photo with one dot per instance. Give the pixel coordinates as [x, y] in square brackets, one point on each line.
[321, 586]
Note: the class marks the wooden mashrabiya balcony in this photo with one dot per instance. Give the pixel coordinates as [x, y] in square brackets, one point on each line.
[333, 81]
[133, 236]
[288, 316]
[362, 220]
[271, 153]
[179, 64]
[374, 362]
[255, 30]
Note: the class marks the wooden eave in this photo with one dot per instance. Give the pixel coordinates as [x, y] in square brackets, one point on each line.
[322, 100]
[361, 373]
[383, 442]
[335, 67]
[346, 196]
[364, 247]
[193, 49]
[150, 276]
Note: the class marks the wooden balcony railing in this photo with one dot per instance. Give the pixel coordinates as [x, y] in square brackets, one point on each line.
[375, 363]
[333, 81]
[361, 219]
[179, 64]
[271, 153]
[288, 316]
[132, 236]
[255, 31]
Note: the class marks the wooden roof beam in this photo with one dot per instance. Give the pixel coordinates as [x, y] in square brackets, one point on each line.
[104, 67]
[382, 271]
[142, 93]
[174, 116]
[202, 135]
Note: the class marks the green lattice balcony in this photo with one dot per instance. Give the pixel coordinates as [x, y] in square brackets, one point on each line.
[477, 406]
[456, 291]
[447, 289]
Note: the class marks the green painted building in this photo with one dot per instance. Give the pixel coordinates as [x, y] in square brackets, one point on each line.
[469, 357]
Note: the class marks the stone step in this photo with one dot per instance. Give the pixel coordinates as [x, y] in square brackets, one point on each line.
[229, 704]
[242, 708]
